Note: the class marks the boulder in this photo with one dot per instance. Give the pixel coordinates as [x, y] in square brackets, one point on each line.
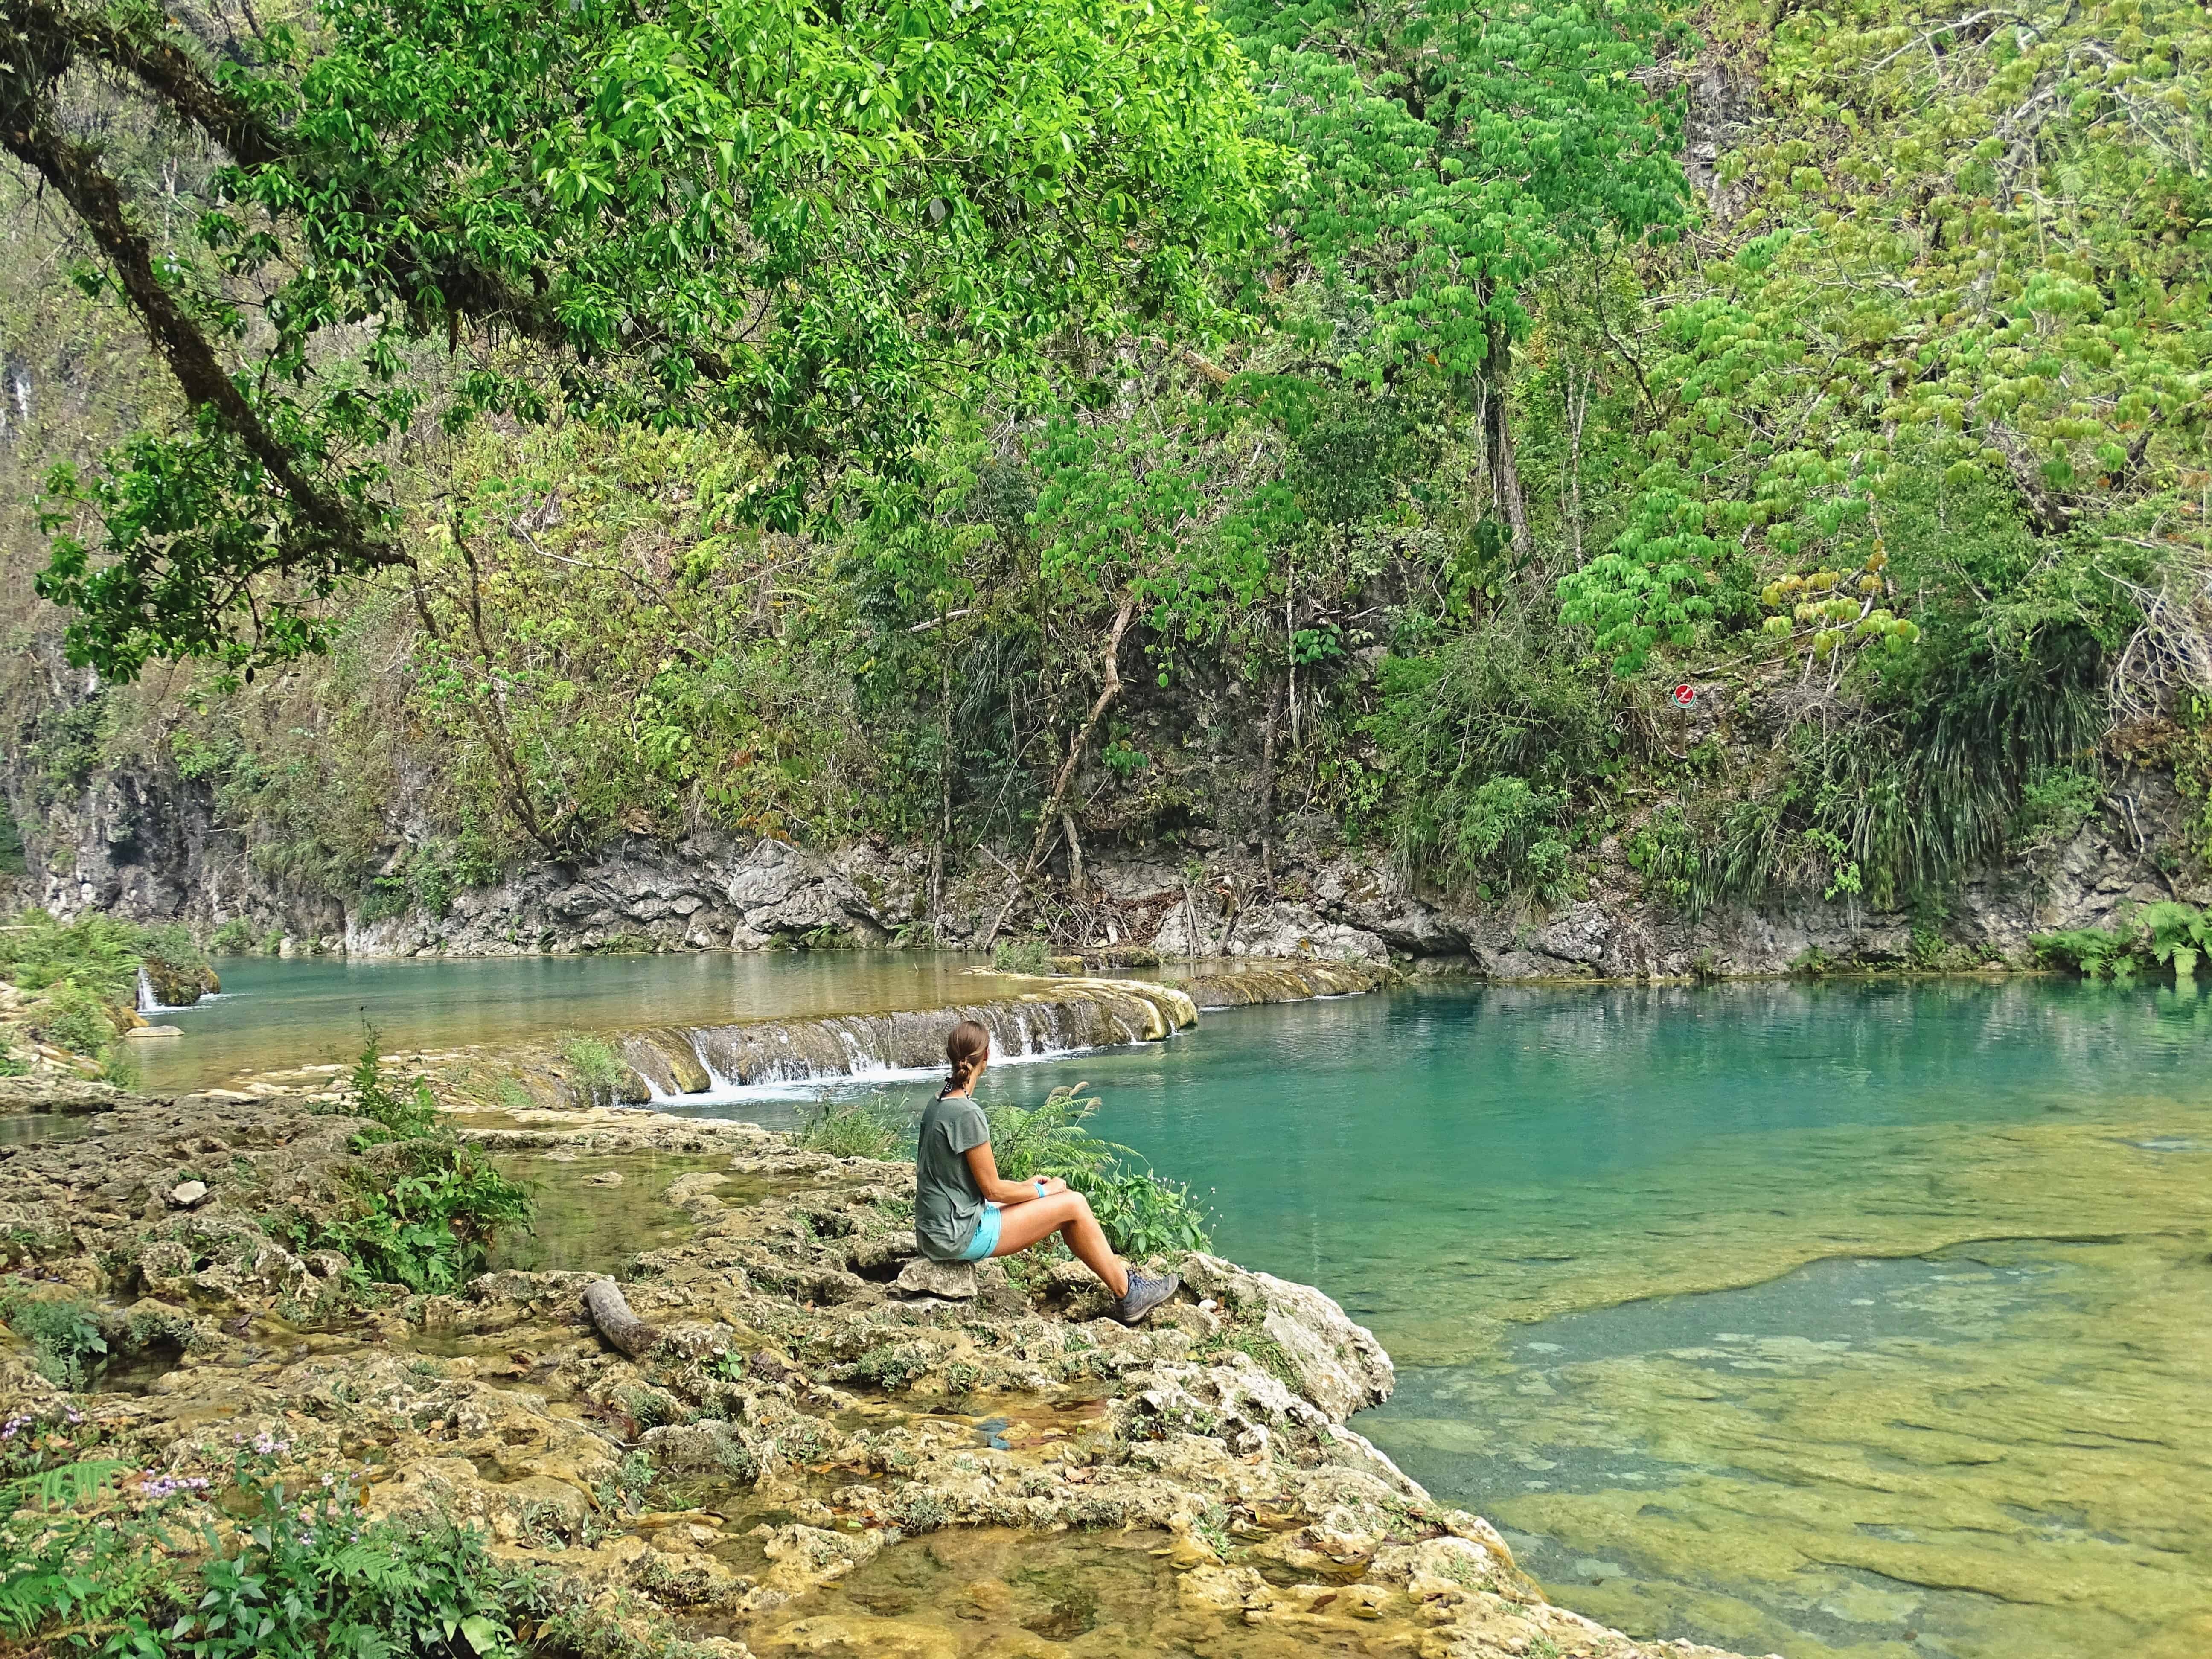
[952, 1281]
[1340, 1366]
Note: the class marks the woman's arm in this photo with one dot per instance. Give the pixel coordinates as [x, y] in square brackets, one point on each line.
[985, 1168]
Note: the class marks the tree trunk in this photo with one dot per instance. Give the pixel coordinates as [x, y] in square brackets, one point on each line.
[610, 1311]
[1074, 853]
[1267, 779]
[491, 731]
[944, 791]
[1577, 413]
[1047, 820]
[1498, 440]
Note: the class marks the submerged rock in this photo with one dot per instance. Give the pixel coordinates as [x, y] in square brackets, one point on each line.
[1291, 981]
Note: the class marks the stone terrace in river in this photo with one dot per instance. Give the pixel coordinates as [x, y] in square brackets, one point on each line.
[809, 1411]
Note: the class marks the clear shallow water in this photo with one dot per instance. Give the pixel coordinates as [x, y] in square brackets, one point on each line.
[1649, 1261]
[275, 1013]
[1637, 1254]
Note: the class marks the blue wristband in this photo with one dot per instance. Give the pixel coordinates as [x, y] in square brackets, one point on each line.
[1040, 1186]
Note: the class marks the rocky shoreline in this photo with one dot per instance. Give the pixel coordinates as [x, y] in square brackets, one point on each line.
[813, 1422]
[711, 893]
[150, 849]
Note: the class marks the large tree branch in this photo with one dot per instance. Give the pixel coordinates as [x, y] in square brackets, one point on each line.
[73, 169]
[169, 70]
[165, 66]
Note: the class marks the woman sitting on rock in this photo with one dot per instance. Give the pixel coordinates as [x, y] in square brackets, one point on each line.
[963, 1211]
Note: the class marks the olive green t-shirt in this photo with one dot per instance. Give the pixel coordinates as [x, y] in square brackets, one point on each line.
[947, 1202]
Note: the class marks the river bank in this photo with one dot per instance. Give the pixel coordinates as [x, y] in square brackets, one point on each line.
[809, 1412]
[151, 848]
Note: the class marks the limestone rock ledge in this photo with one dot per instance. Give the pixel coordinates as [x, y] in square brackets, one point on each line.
[809, 1409]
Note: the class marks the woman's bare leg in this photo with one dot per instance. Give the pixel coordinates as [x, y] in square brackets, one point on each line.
[1021, 1225]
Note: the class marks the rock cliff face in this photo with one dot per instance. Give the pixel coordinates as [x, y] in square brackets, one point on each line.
[149, 850]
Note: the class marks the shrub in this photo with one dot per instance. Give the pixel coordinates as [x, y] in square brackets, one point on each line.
[1020, 956]
[91, 1568]
[2053, 805]
[868, 1126]
[428, 1216]
[1667, 854]
[428, 1222]
[598, 1066]
[233, 938]
[80, 1020]
[1486, 740]
[66, 1341]
[1142, 1213]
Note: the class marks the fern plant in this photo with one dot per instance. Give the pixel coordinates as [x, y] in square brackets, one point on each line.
[2176, 935]
[64, 1335]
[2166, 934]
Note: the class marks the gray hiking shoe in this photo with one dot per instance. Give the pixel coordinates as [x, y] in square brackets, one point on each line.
[1145, 1295]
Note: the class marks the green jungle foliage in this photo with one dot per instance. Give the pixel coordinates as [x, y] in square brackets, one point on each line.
[91, 1565]
[95, 954]
[2167, 935]
[1015, 430]
[427, 1210]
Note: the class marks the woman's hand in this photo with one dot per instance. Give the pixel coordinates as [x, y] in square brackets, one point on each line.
[1048, 1185]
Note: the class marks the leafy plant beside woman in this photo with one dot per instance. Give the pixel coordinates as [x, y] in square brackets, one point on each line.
[1143, 1213]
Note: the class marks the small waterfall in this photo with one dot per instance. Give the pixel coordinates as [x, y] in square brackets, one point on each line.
[674, 1064]
[147, 1002]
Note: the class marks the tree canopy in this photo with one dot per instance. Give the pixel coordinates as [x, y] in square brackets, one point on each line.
[803, 224]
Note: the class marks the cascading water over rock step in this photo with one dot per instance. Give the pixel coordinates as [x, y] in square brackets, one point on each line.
[668, 1061]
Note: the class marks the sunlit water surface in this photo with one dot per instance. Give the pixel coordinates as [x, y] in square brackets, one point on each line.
[1863, 1319]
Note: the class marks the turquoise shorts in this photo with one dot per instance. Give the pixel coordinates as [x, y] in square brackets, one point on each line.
[986, 1236]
